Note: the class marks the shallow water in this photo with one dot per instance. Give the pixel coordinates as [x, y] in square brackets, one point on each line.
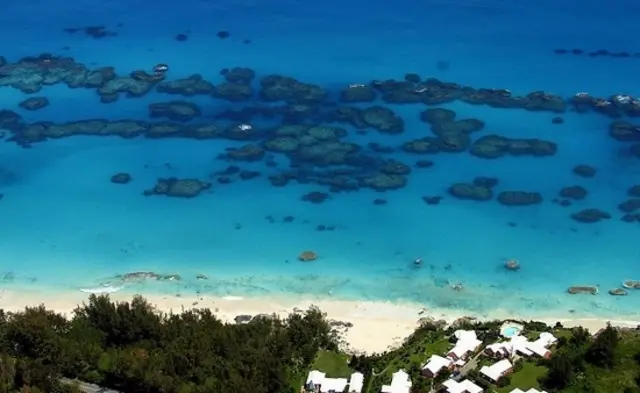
[65, 226]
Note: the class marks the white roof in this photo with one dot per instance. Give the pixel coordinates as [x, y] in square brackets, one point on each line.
[400, 383]
[355, 382]
[436, 363]
[495, 370]
[465, 334]
[333, 385]
[316, 377]
[464, 386]
[532, 390]
[546, 339]
[537, 348]
[465, 345]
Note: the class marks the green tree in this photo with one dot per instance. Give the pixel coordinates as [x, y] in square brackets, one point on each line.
[601, 352]
[561, 373]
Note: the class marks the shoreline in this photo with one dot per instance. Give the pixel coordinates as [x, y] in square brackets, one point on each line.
[376, 326]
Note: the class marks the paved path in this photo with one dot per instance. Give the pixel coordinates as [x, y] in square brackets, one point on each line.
[88, 387]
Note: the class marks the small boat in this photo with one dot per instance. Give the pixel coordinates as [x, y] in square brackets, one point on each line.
[457, 287]
[417, 261]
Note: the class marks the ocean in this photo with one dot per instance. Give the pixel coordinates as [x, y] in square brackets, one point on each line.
[66, 226]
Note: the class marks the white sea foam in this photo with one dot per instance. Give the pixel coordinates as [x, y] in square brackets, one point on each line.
[101, 289]
[232, 298]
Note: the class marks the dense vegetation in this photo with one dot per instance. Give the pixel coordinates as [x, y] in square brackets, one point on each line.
[133, 348]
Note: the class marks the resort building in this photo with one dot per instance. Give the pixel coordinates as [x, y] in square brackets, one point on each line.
[355, 383]
[506, 349]
[520, 345]
[541, 346]
[400, 383]
[467, 344]
[319, 383]
[532, 390]
[465, 386]
[435, 365]
[497, 370]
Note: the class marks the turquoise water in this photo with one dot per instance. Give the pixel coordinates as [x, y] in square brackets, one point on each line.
[65, 225]
[510, 331]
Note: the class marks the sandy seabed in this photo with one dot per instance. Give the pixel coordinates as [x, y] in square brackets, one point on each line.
[377, 326]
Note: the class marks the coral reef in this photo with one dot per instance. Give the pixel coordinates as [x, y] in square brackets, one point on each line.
[121, 178]
[470, 191]
[496, 146]
[590, 216]
[573, 192]
[617, 292]
[519, 198]
[583, 289]
[307, 256]
[34, 103]
[181, 188]
[174, 110]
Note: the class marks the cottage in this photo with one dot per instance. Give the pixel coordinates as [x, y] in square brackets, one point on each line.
[541, 346]
[333, 385]
[400, 383]
[532, 390]
[497, 370]
[467, 343]
[355, 383]
[314, 380]
[522, 346]
[319, 383]
[435, 365]
[465, 386]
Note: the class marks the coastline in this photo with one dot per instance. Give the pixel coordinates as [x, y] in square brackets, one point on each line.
[376, 326]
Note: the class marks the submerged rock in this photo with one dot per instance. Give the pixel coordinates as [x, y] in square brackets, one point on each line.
[470, 191]
[583, 289]
[34, 103]
[584, 170]
[121, 178]
[617, 292]
[590, 216]
[181, 188]
[519, 198]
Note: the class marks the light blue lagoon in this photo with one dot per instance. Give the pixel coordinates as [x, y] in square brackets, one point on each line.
[65, 225]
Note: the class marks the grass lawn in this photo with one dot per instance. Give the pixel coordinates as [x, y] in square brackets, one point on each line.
[526, 378]
[335, 364]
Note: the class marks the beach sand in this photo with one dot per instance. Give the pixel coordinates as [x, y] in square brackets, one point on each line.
[376, 326]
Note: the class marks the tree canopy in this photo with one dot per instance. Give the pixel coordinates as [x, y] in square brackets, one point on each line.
[132, 347]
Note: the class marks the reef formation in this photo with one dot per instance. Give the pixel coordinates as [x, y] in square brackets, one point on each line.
[312, 126]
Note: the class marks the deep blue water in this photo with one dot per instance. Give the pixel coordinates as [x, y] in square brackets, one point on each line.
[65, 225]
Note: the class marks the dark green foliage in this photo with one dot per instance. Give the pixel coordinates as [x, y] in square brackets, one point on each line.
[536, 326]
[503, 381]
[132, 348]
[601, 352]
[561, 372]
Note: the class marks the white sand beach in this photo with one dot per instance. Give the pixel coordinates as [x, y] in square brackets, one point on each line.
[377, 326]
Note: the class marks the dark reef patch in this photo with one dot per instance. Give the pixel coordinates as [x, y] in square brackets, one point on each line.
[470, 191]
[573, 192]
[174, 110]
[316, 197]
[519, 198]
[34, 103]
[180, 188]
[496, 146]
[590, 216]
[584, 171]
[121, 178]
